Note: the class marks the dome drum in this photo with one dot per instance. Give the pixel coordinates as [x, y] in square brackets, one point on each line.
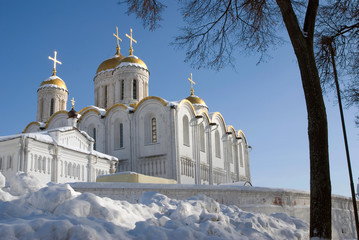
[121, 80]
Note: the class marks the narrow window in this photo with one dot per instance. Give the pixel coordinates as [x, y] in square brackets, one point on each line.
[154, 130]
[52, 106]
[121, 135]
[105, 97]
[201, 137]
[134, 89]
[122, 89]
[185, 131]
[94, 138]
[0, 163]
[118, 137]
[217, 144]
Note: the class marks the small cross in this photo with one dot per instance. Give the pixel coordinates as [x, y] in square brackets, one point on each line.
[55, 61]
[131, 40]
[73, 103]
[118, 43]
[192, 82]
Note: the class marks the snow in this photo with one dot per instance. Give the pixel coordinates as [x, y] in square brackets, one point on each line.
[101, 110]
[31, 210]
[46, 137]
[51, 86]
[40, 136]
[125, 64]
[241, 183]
[52, 78]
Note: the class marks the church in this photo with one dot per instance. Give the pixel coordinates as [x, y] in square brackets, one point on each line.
[125, 130]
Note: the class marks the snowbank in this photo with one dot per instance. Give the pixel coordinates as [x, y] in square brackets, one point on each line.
[32, 210]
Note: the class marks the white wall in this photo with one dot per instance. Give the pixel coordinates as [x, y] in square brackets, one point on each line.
[261, 200]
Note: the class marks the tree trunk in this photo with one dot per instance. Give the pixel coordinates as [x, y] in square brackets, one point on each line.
[320, 187]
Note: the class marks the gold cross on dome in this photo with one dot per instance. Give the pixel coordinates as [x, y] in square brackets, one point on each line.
[192, 82]
[131, 40]
[73, 103]
[118, 43]
[55, 61]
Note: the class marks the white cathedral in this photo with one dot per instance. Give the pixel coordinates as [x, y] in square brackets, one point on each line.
[125, 130]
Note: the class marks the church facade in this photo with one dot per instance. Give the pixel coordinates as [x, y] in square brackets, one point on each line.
[180, 140]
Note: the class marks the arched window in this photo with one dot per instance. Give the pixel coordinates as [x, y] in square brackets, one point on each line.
[122, 89]
[185, 130]
[121, 135]
[52, 106]
[105, 97]
[201, 137]
[217, 144]
[134, 89]
[94, 137]
[154, 130]
[118, 135]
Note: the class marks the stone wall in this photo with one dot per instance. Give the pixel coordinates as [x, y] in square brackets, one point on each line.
[262, 200]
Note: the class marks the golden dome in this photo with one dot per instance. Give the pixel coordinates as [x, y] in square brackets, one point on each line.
[134, 60]
[196, 100]
[110, 63]
[54, 80]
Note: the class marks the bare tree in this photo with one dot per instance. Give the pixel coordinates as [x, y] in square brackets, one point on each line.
[215, 29]
[338, 24]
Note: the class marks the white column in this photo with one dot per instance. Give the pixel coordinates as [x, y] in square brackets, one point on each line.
[226, 145]
[209, 153]
[196, 150]
[236, 159]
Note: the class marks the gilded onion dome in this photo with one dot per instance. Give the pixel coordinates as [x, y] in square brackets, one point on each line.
[132, 60]
[110, 63]
[113, 62]
[196, 100]
[54, 81]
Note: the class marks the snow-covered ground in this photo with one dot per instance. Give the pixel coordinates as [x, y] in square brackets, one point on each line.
[33, 210]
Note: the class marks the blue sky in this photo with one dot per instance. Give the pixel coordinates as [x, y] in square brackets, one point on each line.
[266, 101]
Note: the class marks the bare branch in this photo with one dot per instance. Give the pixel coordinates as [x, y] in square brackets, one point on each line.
[148, 10]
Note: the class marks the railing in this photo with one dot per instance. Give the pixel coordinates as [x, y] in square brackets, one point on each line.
[187, 167]
[204, 172]
[152, 167]
[219, 176]
[123, 166]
